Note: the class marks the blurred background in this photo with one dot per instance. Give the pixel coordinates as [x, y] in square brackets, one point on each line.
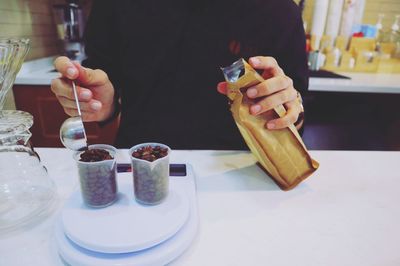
[36, 20]
[354, 60]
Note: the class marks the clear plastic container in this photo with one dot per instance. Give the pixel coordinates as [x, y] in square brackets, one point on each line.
[98, 179]
[150, 179]
[27, 193]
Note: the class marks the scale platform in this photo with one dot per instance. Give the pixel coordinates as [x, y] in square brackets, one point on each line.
[127, 233]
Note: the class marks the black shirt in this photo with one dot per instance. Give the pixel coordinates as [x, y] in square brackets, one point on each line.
[163, 58]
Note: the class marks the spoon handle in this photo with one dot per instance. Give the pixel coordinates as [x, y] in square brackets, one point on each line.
[76, 98]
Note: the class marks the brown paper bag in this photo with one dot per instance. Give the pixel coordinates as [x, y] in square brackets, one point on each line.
[281, 153]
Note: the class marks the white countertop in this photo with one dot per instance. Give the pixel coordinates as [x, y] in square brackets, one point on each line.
[347, 213]
[38, 72]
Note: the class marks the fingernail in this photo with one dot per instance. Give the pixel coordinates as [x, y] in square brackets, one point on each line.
[96, 106]
[255, 60]
[85, 95]
[255, 108]
[252, 92]
[271, 125]
[71, 72]
[221, 88]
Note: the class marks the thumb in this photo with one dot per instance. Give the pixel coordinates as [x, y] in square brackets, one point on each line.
[222, 87]
[90, 77]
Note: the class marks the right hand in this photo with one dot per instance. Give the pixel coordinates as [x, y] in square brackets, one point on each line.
[276, 89]
[94, 89]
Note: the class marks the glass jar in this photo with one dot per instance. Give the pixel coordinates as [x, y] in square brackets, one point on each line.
[26, 191]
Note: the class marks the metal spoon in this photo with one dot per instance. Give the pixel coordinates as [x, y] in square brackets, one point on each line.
[72, 131]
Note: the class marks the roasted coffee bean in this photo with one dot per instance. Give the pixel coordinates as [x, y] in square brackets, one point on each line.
[151, 184]
[98, 184]
[95, 155]
[150, 153]
[136, 154]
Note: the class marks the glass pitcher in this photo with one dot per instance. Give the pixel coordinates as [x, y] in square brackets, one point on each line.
[26, 191]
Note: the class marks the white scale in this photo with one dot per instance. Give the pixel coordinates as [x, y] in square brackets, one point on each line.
[127, 233]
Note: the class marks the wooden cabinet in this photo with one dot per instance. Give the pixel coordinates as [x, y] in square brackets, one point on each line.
[48, 115]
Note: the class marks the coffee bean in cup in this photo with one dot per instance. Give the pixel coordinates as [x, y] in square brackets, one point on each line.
[95, 155]
[150, 164]
[97, 175]
[150, 153]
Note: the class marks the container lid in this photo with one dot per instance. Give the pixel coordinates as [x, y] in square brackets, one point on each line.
[14, 127]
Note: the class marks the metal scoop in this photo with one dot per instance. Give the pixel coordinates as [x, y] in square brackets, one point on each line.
[72, 131]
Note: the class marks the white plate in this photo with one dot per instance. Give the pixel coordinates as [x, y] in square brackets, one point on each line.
[125, 226]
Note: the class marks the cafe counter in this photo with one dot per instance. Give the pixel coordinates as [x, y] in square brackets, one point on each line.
[346, 213]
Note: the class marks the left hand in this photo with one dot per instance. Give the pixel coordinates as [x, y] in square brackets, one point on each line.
[277, 89]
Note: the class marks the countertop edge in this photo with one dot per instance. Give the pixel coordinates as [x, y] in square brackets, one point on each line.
[40, 72]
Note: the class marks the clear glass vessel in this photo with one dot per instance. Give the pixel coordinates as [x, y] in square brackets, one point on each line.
[26, 191]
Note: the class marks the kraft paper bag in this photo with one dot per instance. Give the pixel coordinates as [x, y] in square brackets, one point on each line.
[281, 153]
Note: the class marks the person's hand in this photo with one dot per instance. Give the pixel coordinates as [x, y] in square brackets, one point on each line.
[275, 90]
[94, 89]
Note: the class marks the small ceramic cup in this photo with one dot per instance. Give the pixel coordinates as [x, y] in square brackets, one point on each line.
[98, 179]
[150, 179]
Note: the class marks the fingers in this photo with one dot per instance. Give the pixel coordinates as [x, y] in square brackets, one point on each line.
[63, 88]
[267, 63]
[91, 77]
[91, 106]
[276, 90]
[291, 116]
[222, 88]
[270, 86]
[85, 76]
[273, 101]
[64, 65]
[86, 116]
[271, 69]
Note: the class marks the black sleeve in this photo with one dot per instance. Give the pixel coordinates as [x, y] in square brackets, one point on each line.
[101, 45]
[292, 56]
